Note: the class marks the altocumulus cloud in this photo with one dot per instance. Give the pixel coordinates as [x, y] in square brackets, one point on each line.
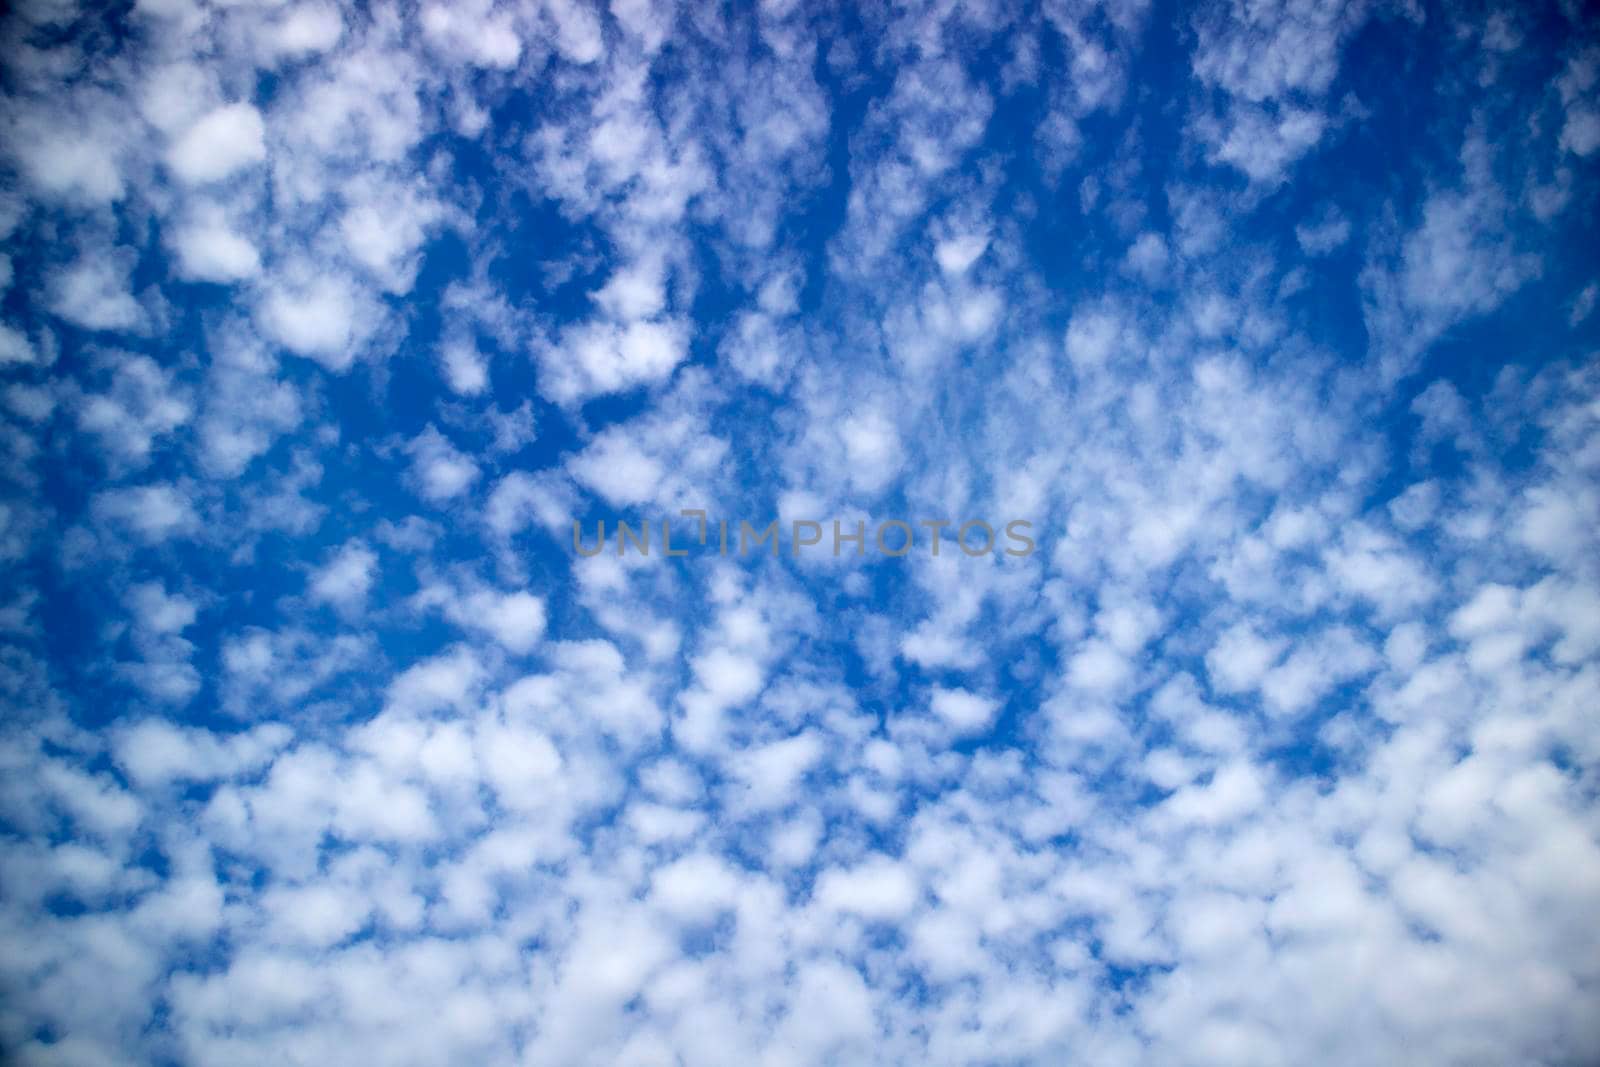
[321, 325]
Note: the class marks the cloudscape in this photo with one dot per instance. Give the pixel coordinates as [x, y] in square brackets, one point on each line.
[785, 533]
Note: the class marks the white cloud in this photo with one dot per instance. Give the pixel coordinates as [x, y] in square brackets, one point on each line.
[878, 889]
[694, 889]
[152, 513]
[247, 405]
[577, 30]
[68, 157]
[221, 143]
[315, 916]
[956, 255]
[1580, 132]
[466, 370]
[155, 752]
[320, 315]
[964, 711]
[872, 450]
[209, 250]
[94, 292]
[1330, 230]
[618, 469]
[1092, 338]
[484, 38]
[1241, 658]
[440, 470]
[15, 346]
[515, 620]
[771, 773]
[307, 29]
[346, 578]
[142, 405]
[384, 228]
[602, 358]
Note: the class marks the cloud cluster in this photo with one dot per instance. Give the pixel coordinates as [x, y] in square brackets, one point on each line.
[321, 328]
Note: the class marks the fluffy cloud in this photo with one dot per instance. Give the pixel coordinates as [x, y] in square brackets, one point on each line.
[218, 145]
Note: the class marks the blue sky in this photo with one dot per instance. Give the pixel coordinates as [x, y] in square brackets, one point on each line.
[321, 327]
